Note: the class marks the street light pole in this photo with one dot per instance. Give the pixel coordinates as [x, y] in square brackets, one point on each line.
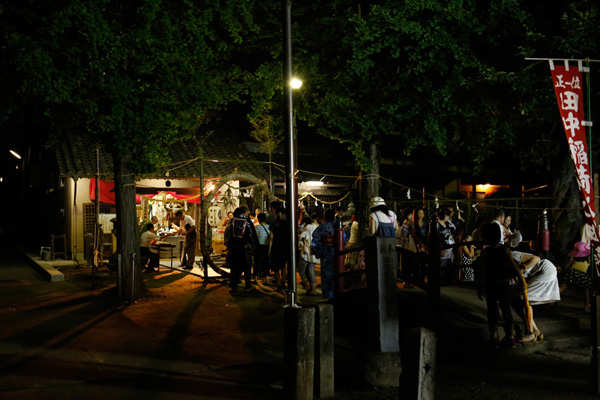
[290, 150]
[299, 323]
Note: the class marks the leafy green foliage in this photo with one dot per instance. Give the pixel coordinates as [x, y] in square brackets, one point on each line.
[445, 75]
[265, 131]
[137, 75]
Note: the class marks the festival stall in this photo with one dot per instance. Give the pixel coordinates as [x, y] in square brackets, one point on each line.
[164, 204]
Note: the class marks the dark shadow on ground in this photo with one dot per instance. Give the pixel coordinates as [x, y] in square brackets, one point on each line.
[262, 329]
[75, 317]
[171, 347]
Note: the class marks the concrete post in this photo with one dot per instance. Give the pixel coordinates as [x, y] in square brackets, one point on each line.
[340, 259]
[324, 352]
[417, 381]
[382, 361]
[299, 352]
[433, 273]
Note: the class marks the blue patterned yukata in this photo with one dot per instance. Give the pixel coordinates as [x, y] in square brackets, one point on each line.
[322, 242]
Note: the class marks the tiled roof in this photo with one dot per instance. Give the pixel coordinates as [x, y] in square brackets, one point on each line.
[223, 153]
[332, 161]
[77, 159]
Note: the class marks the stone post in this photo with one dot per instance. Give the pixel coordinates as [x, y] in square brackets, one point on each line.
[382, 361]
[324, 352]
[417, 381]
[299, 353]
[339, 258]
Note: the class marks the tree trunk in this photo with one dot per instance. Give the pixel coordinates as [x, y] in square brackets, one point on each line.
[568, 221]
[374, 183]
[128, 235]
[370, 189]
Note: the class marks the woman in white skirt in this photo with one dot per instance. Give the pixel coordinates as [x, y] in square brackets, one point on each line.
[541, 277]
[542, 283]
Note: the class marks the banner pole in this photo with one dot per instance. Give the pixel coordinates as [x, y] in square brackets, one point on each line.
[572, 122]
[587, 60]
[589, 140]
[595, 287]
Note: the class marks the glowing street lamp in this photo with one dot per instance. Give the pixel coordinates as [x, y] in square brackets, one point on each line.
[295, 83]
[15, 154]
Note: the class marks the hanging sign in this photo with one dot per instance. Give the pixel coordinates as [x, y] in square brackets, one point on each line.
[214, 215]
[568, 85]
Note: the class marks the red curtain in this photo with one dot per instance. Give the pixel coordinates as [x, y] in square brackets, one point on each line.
[107, 194]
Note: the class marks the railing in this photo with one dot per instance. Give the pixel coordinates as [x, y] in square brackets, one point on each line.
[340, 271]
[421, 269]
[413, 267]
[341, 262]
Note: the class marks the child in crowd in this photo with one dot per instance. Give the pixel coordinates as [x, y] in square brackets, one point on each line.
[261, 258]
[307, 261]
[466, 254]
[577, 275]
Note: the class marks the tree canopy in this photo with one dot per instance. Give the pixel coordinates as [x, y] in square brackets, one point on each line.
[447, 75]
[131, 76]
[137, 75]
[452, 76]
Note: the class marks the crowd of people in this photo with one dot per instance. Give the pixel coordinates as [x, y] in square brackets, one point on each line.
[507, 273]
[492, 257]
[258, 247]
[149, 238]
[267, 246]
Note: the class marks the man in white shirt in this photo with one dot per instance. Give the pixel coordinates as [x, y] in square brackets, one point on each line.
[147, 239]
[499, 217]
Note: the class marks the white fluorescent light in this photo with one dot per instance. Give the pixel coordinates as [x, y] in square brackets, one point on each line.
[14, 153]
[314, 183]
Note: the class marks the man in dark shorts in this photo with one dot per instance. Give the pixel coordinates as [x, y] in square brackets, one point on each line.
[278, 249]
[241, 246]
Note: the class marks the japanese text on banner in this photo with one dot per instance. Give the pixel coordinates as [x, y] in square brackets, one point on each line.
[569, 94]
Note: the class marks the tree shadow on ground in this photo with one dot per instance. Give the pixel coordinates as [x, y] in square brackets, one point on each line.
[71, 319]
